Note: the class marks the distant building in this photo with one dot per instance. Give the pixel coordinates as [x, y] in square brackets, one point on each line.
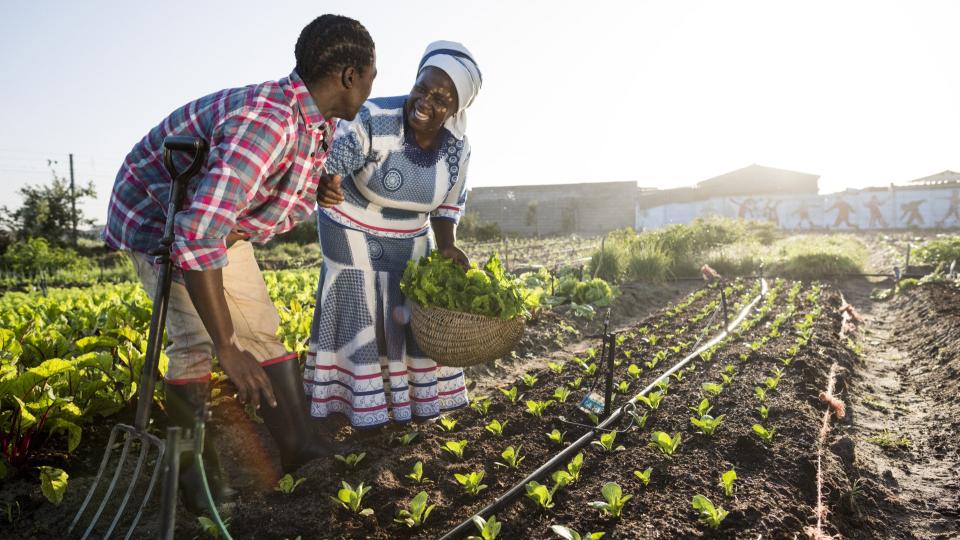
[947, 179]
[586, 208]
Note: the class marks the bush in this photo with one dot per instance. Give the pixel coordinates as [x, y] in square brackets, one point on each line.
[941, 250]
[471, 227]
[607, 263]
[648, 262]
[36, 255]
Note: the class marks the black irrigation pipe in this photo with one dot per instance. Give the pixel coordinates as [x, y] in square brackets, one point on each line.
[584, 440]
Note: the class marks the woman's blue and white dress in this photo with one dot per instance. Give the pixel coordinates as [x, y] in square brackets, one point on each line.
[363, 361]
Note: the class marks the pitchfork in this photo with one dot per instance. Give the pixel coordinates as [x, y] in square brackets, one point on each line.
[137, 434]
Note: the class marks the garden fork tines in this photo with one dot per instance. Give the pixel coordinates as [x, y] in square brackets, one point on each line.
[137, 435]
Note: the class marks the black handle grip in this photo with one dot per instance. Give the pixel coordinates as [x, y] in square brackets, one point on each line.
[184, 143]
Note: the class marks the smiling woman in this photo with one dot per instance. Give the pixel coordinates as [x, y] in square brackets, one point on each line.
[396, 172]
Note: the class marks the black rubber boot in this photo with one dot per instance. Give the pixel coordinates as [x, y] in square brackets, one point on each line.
[288, 423]
[184, 402]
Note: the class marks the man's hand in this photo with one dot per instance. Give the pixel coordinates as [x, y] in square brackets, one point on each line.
[328, 192]
[247, 375]
[206, 292]
[457, 255]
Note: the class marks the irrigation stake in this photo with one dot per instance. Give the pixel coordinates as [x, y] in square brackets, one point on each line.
[608, 391]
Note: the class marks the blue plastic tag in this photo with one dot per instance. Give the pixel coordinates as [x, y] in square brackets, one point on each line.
[592, 403]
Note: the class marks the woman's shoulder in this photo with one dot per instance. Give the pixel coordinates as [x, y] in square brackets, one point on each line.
[391, 105]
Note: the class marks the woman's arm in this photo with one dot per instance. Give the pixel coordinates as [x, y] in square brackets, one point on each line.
[445, 232]
[349, 153]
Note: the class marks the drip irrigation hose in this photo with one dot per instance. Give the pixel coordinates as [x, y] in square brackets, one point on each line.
[552, 463]
[199, 432]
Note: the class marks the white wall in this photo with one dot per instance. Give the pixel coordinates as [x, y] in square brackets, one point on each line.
[851, 210]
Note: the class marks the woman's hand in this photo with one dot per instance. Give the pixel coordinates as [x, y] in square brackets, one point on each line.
[328, 192]
[456, 254]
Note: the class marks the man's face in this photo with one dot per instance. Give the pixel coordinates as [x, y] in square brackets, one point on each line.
[360, 91]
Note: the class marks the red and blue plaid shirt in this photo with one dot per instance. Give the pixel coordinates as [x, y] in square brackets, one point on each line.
[268, 143]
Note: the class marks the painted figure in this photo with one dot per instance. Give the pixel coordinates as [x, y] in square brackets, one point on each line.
[876, 213]
[843, 209]
[911, 212]
[953, 211]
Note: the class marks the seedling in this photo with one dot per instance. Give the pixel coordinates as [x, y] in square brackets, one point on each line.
[481, 404]
[764, 412]
[529, 379]
[489, 528]
[727, 379]
[638, 419]
[561, 394]
[404, 439]
[744, 357]
[496, 427]
[539, 494]
[667, 444]
[760, 393]
[511, 457]
[556, 367]
[678, 375]
[455, 448]
[651, 400]
[729, 369]
[713, 389]
[561, 479]
[557, 436]
[471, 482]
[707, 424]
[417, 474]
[633, 371]
[417, 512]
[614, 501]
[447, 423]
[644, 476]
[351, 460]
[887, 439]
[537, 408]
[726, 482]
[663, 386]
[352, 499]
[703, 408]
[590, 370]
[574, 466]
[570, 534]
[607, 442]
[771, 382]
[764, 434]
[575, 383]
[512, 394]
[287, 484]
[622, 387]
[709, 514]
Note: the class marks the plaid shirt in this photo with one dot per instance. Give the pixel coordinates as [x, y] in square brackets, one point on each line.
[268, 144]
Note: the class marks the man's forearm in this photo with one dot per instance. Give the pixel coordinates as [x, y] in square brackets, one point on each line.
[206, 292]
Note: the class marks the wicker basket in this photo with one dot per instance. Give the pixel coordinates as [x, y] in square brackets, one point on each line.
[456, 339]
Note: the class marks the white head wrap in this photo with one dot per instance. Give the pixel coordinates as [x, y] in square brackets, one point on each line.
[457, 62]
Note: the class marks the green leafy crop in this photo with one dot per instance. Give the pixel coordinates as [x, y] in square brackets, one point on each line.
[436, 281]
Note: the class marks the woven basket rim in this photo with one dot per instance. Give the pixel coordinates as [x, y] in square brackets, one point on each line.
[465, 314]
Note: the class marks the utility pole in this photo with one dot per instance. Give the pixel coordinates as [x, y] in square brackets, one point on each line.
[73, 203]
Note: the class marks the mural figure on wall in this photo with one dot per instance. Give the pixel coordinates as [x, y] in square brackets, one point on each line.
[911, 212]
[770, 211]
[745, 208]
[843, 209]
[953, 211]
[876, 212]
[803, 214]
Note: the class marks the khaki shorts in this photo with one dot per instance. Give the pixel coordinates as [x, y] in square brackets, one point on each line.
[255, 318]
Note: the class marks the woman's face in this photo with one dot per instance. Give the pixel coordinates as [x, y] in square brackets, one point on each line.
[432, 101]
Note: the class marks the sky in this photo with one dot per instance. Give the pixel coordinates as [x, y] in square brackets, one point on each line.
[664, 93]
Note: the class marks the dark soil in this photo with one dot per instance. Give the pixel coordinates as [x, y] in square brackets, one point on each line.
[906, 384]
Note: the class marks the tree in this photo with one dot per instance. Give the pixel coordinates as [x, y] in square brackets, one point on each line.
[47, 211]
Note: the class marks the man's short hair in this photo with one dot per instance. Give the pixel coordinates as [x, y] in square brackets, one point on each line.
[330, 43]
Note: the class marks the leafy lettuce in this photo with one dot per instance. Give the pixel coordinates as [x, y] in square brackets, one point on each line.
[435, 281]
